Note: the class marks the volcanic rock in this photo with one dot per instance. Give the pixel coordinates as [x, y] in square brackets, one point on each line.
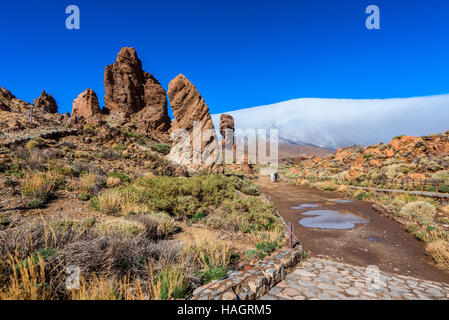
[226, 123]
[189, 108]
[133, 92]
[46, 102]
[86, 105]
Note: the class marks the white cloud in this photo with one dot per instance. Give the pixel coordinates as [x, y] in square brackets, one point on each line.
[332, 123]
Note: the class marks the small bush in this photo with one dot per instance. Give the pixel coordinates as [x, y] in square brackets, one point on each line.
[439, 252]
[419, 209]
[109, 201]
[363, 196]
[249, 188]
[171, 284]
[122, 226]
[122, 176]
[215, 260]
[39, 185]
[161, 148]
[118, 147]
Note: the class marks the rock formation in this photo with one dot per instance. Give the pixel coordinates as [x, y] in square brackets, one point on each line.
[135, 93]
[86, 105]
[226, 124]
[46, 102]
[9, 102]
[189, 107]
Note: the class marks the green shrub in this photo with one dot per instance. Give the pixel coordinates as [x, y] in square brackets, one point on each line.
[363, 196]
[214, 273]
[122, 176]
[118, 147]
[66, 224]
[161, 148]
[249, 188]
[172, 284]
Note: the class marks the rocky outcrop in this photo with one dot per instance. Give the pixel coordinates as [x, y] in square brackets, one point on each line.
[86, 105]
[46, 102]
[189, 108]
[8, 102]
[226, 123]
[135, 93]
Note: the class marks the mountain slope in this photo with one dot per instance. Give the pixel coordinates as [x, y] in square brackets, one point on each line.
[333, 123]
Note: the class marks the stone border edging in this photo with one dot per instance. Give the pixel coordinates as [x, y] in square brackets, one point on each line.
[254, 282]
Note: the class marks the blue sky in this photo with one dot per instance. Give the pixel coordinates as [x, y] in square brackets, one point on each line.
[238, 53]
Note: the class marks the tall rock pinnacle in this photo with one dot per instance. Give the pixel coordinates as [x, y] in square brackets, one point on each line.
[133, 92]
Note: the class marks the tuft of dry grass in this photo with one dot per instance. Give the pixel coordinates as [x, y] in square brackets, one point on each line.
[217, 255]
[110, 201]
[38, 184]
[439, 252]
[121, 226]
[88, 182]
[27, 281]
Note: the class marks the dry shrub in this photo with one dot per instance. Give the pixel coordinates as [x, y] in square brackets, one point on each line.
[445, 209]
[42, 251]
[158, 225]
[342, 188]
[39, 185]
[270, 236]
[121, 226]
[208, 254]
[439, 252]
[110, 201]
[27, 281]
[107, 288]
[325, 185]
[88, 182]
[169, 283]
[419, 209]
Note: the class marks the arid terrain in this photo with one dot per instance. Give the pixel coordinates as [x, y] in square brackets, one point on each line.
[101, 193]
[408, 179]
[105, 195]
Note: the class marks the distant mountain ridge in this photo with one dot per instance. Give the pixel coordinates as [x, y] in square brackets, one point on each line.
[340, 123]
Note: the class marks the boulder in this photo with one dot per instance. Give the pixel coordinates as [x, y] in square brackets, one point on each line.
[46, 103]
[86, 105]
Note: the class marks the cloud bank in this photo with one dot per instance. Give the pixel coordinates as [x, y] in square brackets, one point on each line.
[333, 123]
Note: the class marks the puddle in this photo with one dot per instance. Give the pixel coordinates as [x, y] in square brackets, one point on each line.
[375, 239]
[306, 206]
[332, 219]
[340, 201]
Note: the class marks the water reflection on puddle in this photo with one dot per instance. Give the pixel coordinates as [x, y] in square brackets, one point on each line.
[331, 219]
[375, 239]
[340, 201]
[306, 206]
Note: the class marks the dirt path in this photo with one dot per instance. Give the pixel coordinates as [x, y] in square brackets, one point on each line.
[381, 242]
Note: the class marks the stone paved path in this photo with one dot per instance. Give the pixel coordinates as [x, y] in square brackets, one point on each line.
[320, 279]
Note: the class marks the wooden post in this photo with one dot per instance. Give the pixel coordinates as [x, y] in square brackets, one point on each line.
[375, 197]
[290, 231]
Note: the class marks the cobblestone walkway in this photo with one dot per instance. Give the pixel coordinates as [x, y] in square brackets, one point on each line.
[319, 279]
